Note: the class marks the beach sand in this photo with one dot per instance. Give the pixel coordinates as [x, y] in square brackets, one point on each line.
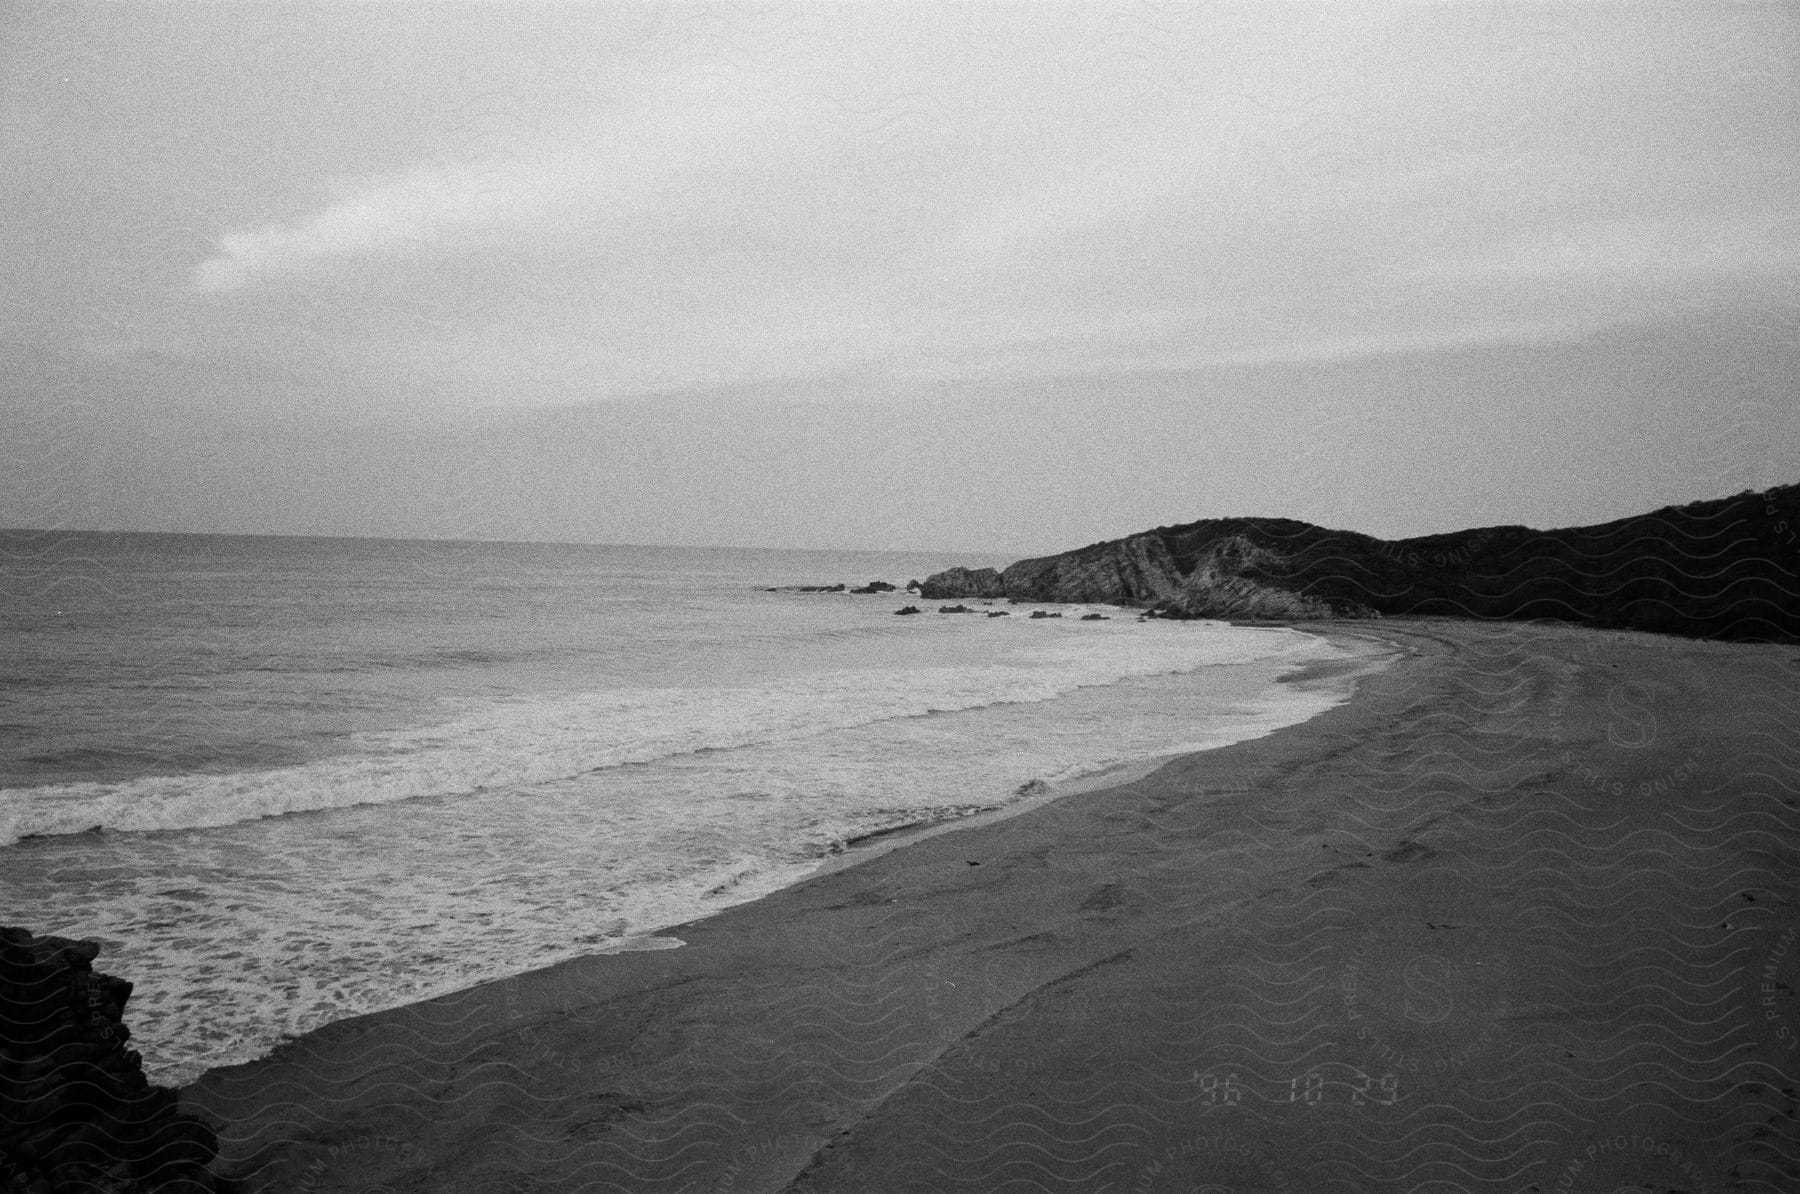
[1521, 915]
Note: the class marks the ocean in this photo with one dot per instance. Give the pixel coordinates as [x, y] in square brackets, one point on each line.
[285, 781]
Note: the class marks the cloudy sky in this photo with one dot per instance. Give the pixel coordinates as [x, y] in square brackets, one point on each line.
[984, 276]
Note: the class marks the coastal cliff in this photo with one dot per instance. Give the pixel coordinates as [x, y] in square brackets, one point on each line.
[1132, 571]
[962, 582]
[1233, 576]
[1725, 568]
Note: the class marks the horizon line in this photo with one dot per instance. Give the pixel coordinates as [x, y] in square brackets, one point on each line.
[34, 531]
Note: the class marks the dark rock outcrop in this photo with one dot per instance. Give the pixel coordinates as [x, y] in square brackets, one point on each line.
[806, 589]
[954, 609]
[953, 583]
[76, 1112]
[1095, 618]
[999, 613]
[1235, 577]
[907, 609]
[1232, 576]
[874, 586]
[1724, 568]
[1133, 571]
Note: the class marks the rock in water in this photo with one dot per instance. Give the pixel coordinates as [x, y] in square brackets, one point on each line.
[907, 609]
[76, 1112]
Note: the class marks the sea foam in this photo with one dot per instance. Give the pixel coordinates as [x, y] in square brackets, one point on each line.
[663, 806]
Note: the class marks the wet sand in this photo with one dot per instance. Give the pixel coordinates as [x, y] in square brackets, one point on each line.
[1522, 915]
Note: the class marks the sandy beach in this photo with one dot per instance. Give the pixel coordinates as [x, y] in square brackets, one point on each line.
[1519, 916]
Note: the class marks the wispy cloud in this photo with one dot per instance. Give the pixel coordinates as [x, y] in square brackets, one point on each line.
[1648, 249]
[599, 179]
[788, 202]
[400, 215]
[1324, 347]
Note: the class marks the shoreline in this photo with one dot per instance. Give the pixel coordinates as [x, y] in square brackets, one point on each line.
[1308, 676]
[1373, 653]
[935, 1016]
[1274, 675]
[326, 935]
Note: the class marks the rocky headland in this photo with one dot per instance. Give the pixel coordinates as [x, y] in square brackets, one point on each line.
[1726, 568]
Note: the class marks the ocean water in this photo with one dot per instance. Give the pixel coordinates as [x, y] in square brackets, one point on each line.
[287, 780]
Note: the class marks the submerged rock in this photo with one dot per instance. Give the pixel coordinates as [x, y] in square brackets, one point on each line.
[954, 609]
[907, 609]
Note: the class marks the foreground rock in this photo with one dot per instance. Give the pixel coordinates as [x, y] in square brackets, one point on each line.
[76, 1112]
[1719, 569]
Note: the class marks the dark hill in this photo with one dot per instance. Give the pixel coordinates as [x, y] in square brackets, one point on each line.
[1726, 568]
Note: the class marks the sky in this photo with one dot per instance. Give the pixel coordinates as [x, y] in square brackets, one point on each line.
[990, 277]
